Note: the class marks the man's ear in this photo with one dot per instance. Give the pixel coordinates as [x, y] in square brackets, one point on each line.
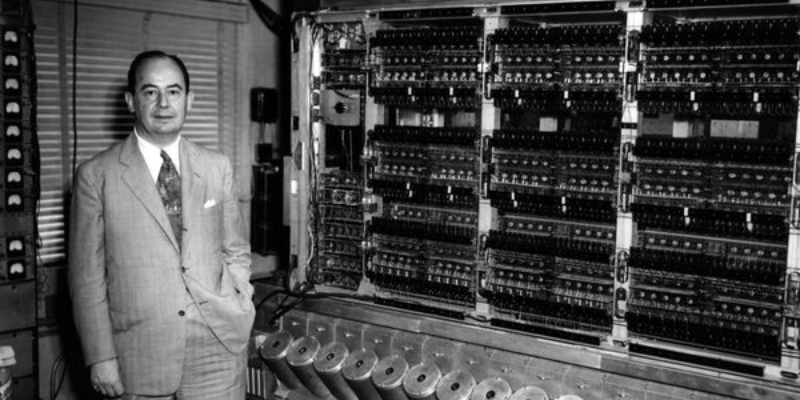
[129, 101]
[189, 100]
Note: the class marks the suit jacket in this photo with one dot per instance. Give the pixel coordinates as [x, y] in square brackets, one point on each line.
[129, 278]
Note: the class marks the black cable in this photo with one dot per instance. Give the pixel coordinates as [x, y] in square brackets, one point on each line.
[282, 311]
[301, 296]
[271, 19]
[74, 86]
[267, 297]
[287, 290]
[282, 303]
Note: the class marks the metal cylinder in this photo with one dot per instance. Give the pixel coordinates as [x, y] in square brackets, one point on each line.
[529, 393]
[301, 359]
[329, 363]
[456, 385]
[491, 389]
[388, 377]
[357, 371]
[420, 381]
[273, 351]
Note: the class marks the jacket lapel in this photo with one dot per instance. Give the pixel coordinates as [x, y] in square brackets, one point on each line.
[137, 177]
[192, 185]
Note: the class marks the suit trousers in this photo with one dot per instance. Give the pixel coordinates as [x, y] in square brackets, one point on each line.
[210, 372]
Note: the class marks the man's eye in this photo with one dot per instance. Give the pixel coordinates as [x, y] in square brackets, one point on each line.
[174, 92]
[150, 93]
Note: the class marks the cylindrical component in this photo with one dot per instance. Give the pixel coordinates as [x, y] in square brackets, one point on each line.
[570, 397]
[456, 385]
[420, 381]
[329, 363]
[357, 371]
[529, 393]
[491, 388]
[388, 377]
[273, 351]
[301, 359]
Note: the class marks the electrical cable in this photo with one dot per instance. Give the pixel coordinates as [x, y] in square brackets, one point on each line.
[306, 296]
[268, 297]
[283, 310]
[55, 390]
[303, 294]
[271, 19]
[74, 86]
[282, 303]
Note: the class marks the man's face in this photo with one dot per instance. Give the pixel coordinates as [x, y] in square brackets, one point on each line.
[160, 100]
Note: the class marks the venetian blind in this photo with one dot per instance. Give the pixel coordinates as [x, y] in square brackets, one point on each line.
[110, 33]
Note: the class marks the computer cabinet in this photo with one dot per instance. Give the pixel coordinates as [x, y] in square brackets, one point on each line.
[619, 176]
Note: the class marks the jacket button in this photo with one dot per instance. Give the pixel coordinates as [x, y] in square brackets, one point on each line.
[181, 313]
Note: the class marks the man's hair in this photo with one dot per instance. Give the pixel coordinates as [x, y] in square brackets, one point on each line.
[149, 55]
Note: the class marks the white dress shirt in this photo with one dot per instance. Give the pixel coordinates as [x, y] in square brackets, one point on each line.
[152, 155]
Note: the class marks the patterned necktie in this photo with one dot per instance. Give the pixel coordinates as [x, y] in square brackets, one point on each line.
[169, 188]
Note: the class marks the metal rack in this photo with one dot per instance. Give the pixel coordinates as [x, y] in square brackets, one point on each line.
[19, 192]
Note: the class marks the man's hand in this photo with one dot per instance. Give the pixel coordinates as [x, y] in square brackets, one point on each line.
[105, 378]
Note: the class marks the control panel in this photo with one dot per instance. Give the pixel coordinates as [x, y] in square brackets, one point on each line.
[19, 194]
[620, 176]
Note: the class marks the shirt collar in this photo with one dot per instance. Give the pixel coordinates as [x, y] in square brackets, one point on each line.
[152, 153]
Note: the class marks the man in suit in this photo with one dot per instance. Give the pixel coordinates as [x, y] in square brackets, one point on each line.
[158, 267]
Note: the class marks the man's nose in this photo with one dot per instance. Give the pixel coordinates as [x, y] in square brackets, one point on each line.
[162, 100]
